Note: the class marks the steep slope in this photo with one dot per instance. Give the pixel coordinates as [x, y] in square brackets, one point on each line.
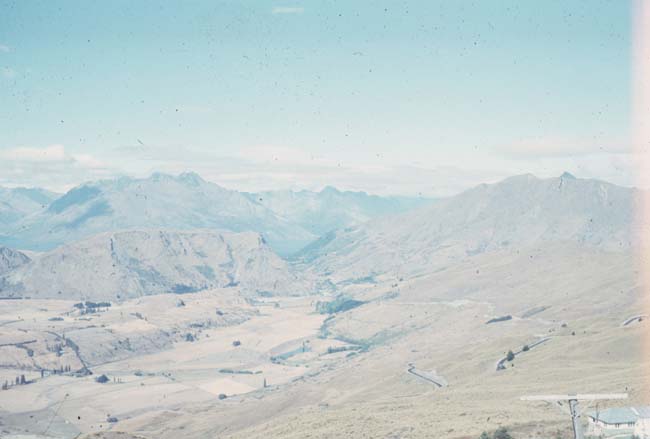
[517, 212]
[16, 203]
[185, 202]
[11, 259]
[329, 209]
[128, 264]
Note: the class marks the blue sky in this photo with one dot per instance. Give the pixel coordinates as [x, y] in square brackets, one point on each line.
[390, 97]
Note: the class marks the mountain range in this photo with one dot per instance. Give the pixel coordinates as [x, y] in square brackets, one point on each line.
[130, 237]
[516, 213]
[287, 221]
[123, 265]
[331, 209]
[17, 203]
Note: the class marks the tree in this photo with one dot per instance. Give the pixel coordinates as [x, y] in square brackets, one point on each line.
[484, 435]
[510, 356]
[502, 433]
[23, 380]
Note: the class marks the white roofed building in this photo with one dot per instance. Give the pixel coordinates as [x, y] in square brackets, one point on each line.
[620, 422]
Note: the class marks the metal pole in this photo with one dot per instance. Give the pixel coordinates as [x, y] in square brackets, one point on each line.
[575, 417]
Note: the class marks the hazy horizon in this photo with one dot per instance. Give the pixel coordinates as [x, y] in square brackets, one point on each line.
[314, 189]
[422, 98]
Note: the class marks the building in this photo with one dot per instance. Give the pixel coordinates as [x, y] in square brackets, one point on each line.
[620, 422]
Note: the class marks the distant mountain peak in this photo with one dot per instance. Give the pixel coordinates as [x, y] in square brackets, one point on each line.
[567, 176]
[79, 195]
[330, 190]
[191, 178]
[160, 176]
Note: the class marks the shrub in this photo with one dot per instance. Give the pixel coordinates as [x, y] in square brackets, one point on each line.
[502, 433]
[499, 319]
[340, 304]
[510, 356]
[526, 348]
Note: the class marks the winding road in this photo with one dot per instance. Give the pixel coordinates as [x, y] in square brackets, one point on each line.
[632, 319]
[501, 362]
[431, 377]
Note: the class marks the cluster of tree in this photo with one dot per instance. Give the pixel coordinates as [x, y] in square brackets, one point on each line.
[333, 350]
[60, 370]
[340, 304]
[57, 348]
[240, 372]
[91, 307]
[499, 433]
[19, 382]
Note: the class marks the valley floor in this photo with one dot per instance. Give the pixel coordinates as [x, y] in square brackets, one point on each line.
[213, 364]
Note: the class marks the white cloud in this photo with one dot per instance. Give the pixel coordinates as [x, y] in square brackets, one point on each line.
[269, 167]
[282, 155]
[52, 153]
[287, 10]
[51, 167]
[549, 146]
[4, 48]
[88, 161]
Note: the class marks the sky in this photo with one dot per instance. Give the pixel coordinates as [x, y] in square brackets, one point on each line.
[392, 97]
